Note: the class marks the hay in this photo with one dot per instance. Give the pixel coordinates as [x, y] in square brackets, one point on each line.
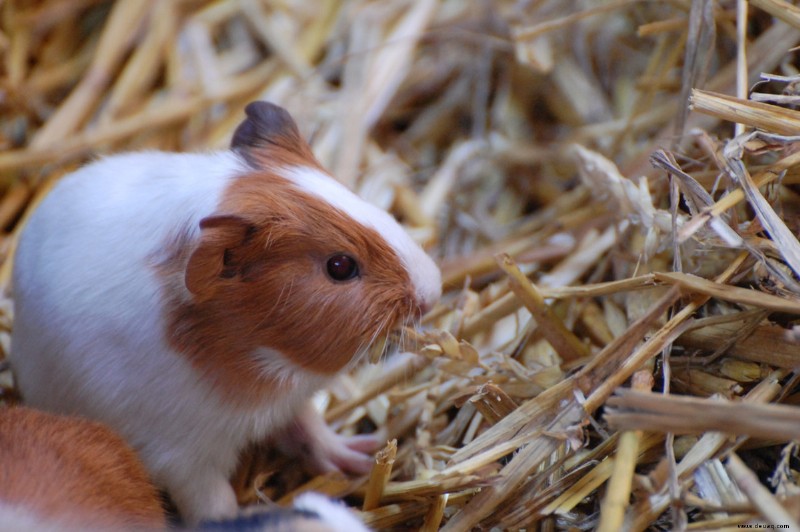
[609, 208]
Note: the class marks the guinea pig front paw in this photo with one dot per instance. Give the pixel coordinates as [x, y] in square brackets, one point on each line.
[349, 454]
[323, 450]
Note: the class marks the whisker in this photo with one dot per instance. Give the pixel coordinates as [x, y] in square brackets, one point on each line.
[360, 353]
[391, 344]
[402, 341]
[382, 333]
[374, 355]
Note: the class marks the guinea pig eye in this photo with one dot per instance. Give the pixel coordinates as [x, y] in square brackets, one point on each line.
[342, 267]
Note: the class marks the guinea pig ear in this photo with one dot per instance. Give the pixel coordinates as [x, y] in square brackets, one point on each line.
[268, 128]
[214, 262]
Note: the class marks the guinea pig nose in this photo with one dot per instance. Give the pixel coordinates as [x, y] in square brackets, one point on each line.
[427, 297]
[425, 305]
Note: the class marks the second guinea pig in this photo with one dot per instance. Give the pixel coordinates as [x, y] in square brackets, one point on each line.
[194, 302]
[64, 473]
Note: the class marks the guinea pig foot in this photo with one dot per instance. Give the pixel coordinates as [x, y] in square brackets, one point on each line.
[325, 451]
[348, 454]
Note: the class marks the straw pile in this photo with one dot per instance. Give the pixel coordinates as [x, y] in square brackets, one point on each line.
[611, 190]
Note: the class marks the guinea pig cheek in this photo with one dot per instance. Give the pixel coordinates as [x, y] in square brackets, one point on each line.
[315, 322]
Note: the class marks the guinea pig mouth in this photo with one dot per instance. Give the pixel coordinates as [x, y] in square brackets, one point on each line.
[401, 336]
[387, 343]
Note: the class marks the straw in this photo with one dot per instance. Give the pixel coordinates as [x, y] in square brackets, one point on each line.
[610, 191]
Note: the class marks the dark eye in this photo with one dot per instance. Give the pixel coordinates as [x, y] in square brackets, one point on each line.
[342, 267]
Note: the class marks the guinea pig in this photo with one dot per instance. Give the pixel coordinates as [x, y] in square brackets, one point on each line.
[62, 472]
[195, 302]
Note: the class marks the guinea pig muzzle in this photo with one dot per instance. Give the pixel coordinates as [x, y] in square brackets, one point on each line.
[399, 337]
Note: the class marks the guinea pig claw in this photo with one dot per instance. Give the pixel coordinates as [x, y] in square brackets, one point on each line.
[340, 456]
[365, 443]
[347, 454]
[324, 450]
[354, 454]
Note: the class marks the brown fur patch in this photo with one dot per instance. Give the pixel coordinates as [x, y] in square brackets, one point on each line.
[259, 280]
[74, 472]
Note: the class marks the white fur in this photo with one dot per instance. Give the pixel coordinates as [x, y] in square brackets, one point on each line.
[333, 514]
[21, 519]
[424, 274]
[88, 334]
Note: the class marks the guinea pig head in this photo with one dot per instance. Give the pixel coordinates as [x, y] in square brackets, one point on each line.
[294, 270]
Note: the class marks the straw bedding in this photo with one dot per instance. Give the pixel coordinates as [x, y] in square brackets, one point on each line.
[611, 190]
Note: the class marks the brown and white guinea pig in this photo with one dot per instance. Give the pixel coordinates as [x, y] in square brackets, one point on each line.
[194, 302]
[67, 473]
